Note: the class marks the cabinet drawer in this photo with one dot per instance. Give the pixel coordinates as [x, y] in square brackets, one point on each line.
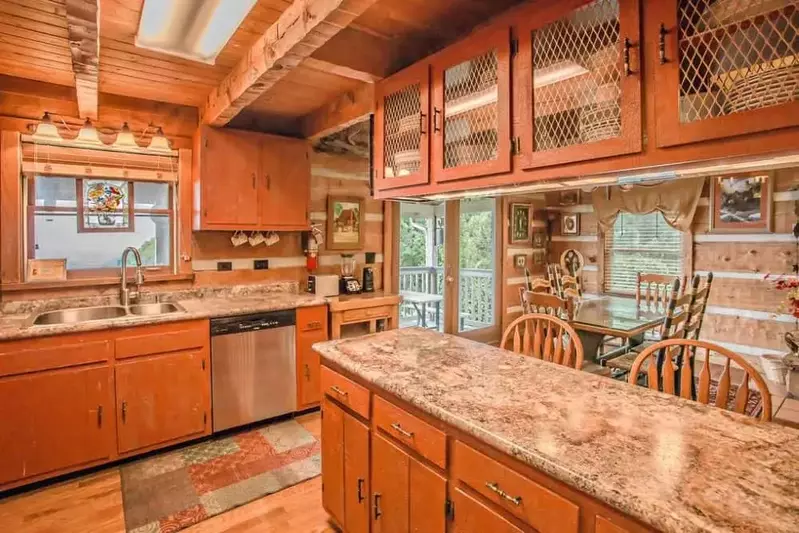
[52, 353]
[366, 314]
[345, 392]
[604, 525]
[472, 516]
[312, 319]
[417, 435]
[546, 511]
[163, 339]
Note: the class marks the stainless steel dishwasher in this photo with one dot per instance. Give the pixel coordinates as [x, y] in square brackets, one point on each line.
[253, 368]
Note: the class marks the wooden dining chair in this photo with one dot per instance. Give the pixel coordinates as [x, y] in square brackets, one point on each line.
[568, 282]
[548, 304]
[572, 263]
[669, 367]
[654, 289]
[696, 311]
[544, 337]
[553, 275]
[539, 285]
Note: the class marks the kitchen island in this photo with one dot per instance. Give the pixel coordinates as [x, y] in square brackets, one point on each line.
[420, 428]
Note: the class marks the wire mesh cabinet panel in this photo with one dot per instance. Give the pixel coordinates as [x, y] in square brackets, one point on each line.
[724, 67]
[402, 129]
[582, 64]
[471, 107]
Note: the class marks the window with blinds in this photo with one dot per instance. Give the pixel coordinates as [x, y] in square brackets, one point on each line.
[640, 243]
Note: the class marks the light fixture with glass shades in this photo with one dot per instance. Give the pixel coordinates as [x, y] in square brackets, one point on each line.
[124, 140]
[196, 30]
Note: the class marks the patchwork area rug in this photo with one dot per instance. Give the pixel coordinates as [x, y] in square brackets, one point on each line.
[177, 489]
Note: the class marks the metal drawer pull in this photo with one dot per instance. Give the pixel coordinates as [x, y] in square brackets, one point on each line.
[494, 487]
[360, 490]
[339, 391]
[407, 434]
[378, 512]
[314, 325]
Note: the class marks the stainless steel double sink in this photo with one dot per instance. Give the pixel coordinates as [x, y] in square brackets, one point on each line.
[108, 312]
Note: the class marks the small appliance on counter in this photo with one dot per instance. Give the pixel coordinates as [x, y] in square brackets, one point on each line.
[327, 285]
[349, 284]
[368, 279]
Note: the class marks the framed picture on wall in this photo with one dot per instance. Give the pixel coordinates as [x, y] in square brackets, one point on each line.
[569, 198]
[539, 239]
[344, 223]
[741, 202]
[520, 223]
[570, 224]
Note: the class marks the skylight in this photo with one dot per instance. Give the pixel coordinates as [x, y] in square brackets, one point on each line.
[193, 29]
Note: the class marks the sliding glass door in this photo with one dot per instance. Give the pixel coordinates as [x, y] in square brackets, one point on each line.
[449, 267]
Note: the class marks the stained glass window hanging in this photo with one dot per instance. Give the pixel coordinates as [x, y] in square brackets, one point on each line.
[105, 205]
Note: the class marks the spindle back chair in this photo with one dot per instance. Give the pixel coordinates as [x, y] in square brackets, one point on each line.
[544, 337]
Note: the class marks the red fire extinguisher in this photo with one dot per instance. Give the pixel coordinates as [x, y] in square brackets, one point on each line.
[312, 248]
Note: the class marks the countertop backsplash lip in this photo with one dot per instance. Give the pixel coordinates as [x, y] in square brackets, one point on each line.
[212, 302]
[681, 480]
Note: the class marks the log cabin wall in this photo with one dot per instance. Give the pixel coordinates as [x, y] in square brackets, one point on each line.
[744, 309]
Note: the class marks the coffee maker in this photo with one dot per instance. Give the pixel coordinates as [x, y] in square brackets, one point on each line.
[368, 279]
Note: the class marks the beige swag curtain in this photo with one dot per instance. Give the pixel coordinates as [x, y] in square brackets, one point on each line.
[676, 199]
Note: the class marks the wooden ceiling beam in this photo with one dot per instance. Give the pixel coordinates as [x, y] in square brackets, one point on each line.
[83, 25]
[302, 28]
[346, 110]
[358, 51]
[340, 70]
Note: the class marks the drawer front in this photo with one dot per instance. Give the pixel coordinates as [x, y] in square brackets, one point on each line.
[417, 435]
[354, 315]
[312, 319]
[472, 516]
[604, 525]
[546, 511]
[345, 391]
[52, 353]
[152, 340]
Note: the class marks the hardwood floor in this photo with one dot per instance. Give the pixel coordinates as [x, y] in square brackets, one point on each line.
[94, 503]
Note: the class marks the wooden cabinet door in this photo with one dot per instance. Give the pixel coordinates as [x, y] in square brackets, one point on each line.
[580, 81]
[471, 107]
[390, 487]
[356, 475]
[54, 421]
[284, 183]
[722, 72]
[333, 460]
[308, 368]
[402, 129]
[472, 516]
[427, 499]
[162, 399]
[229, 173]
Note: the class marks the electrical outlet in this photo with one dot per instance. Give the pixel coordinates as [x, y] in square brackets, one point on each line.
[370, 258]
[520, 260]
[224, 266]
[261, 264]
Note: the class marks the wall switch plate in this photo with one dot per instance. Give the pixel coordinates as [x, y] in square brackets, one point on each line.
[520, 260]
[261, 264]
[224, 266]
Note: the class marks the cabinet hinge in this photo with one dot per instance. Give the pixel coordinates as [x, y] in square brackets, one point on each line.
[449, 509]
[514, 47]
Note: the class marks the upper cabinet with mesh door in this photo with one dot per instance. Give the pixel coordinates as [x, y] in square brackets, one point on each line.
[724, 67]
[581, 82]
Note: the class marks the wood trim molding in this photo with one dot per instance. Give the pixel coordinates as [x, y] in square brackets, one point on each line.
[347, 109]
[340, 70]
[391, 221]
[688, 253]
[83, 27]
[184, 212]
[301, 29]
[10, 208]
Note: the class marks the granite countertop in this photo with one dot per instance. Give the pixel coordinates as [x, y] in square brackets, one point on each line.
[13, 326]
[674, 464]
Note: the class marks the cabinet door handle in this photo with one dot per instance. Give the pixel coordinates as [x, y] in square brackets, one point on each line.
[378, 512]
[494, 487]
[253, 180]
[407, 434]
[268, 182]
[627, 45]
[339, 391]
[662, 44]
[124, 411]
[361, 497]
[99, 416]
[422, 120]
[436, 113]
[307, 373]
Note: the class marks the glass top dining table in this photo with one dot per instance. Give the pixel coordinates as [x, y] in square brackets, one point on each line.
[614, 316]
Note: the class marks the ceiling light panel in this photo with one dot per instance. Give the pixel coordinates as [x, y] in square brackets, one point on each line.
[192, 29]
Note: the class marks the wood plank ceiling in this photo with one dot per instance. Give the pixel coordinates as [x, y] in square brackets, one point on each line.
[34, 44]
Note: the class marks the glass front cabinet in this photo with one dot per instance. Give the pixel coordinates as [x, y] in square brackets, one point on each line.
[724, 68]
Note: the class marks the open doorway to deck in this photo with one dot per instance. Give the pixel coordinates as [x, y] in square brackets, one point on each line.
[440, 244]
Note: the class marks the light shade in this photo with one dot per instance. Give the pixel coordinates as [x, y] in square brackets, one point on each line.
[159, 143]
[46, 130]
[195, 30]
[87, 136]
[125, 138]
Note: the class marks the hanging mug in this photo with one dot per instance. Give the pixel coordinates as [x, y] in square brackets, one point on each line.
[256, 238]
[272, 238]
[238, 238]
